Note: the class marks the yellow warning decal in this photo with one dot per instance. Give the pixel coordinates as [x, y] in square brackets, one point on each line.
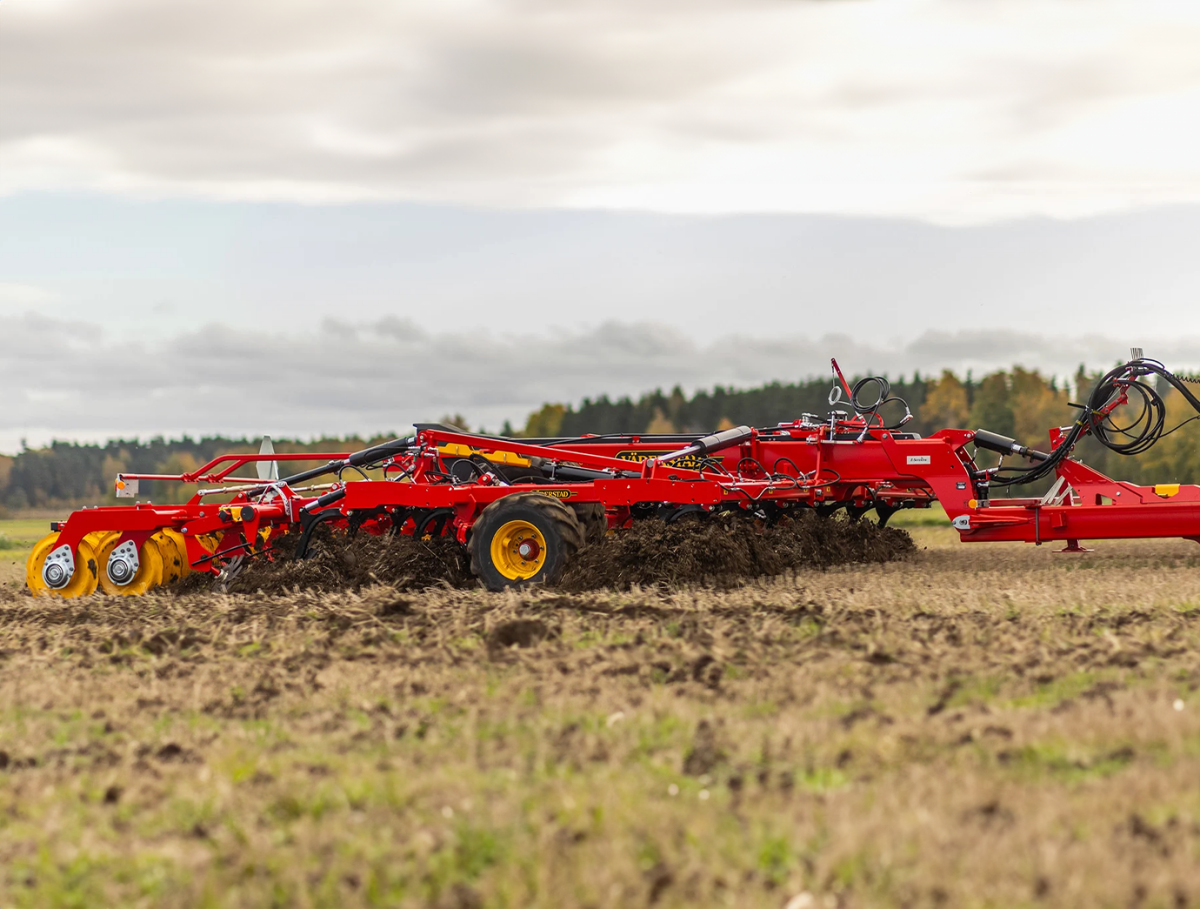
[688, 462]
[454, 450]
[1166, 490]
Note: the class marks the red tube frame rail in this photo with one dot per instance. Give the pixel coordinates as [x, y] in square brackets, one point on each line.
[842, 462]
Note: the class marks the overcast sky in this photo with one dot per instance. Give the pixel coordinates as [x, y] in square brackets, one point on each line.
[310, 217]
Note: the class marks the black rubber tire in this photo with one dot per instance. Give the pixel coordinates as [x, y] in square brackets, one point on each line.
[554, 520]
[591, 519]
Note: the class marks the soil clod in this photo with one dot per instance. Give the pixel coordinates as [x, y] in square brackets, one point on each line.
[343, 562]
[724, 551]
[518, 633]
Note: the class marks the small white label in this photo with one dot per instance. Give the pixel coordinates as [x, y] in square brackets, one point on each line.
[919, 459]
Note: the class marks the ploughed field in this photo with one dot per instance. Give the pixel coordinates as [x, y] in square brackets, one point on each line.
[990, 725]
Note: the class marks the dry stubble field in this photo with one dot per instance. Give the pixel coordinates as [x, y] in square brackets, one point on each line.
[975, 726]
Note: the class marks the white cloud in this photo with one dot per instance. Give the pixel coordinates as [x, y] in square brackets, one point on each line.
[936, 109]
[25, 295]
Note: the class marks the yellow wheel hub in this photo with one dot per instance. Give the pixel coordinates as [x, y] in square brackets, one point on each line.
[82, 582]
[518, 550]
[149, 573]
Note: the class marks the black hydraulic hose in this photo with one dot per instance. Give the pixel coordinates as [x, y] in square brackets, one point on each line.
[993, 441]
[295, 478]
[883, 396]
[706, 445]
[358, 459]
[379, 452]
[1131, 439]
[322, 501]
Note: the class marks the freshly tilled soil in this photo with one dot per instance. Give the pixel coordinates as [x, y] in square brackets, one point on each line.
[340, 562]
[726, 551]
[722, 552]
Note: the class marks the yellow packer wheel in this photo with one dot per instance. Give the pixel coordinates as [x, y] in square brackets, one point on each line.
[179, 542]
[82, 582]
[99, 537]
[172, 561]
[149, 572]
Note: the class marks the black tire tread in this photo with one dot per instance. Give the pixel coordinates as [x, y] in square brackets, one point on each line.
[555, 512]
[592, 521]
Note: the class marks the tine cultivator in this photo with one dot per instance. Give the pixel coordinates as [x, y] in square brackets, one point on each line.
[523, 507]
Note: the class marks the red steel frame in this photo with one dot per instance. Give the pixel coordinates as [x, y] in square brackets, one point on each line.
[844, 461]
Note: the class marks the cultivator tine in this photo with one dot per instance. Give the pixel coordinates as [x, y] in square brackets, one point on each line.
[232, 569]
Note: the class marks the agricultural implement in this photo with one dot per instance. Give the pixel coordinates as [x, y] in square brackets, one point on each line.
[523, 507]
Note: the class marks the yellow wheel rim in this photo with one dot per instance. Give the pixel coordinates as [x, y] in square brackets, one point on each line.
[82, 582]
[149, 573]
[518, 550]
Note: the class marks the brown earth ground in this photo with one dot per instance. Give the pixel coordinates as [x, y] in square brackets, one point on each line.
[972, 726]
[12, 570]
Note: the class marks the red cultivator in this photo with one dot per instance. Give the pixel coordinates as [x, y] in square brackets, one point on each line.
[523, 507]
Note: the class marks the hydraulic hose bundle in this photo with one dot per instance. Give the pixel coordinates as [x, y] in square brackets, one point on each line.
[869, 409]
[1134, 437]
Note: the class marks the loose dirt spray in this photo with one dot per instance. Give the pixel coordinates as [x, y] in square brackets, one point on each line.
[722, 552]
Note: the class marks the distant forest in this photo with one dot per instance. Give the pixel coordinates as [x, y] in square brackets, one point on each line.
[68, 474]
[1016, 403]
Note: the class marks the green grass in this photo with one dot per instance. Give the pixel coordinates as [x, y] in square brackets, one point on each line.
[25, 528]
[313, 749]
[18, 536]
[16, 540]
[934, 516]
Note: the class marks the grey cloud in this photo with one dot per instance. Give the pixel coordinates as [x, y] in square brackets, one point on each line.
[368, 377]
[192, 91]
[546, 103]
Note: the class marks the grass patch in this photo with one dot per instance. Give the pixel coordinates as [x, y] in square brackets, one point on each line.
[924, 730]
[1065, 762]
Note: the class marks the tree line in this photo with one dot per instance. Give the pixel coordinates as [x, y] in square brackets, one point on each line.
[1019, 403]
[70, 474]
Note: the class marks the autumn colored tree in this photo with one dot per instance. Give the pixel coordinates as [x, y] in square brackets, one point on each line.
[545, 422]
[992, 408]
[946, 404]
[1037, 405]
